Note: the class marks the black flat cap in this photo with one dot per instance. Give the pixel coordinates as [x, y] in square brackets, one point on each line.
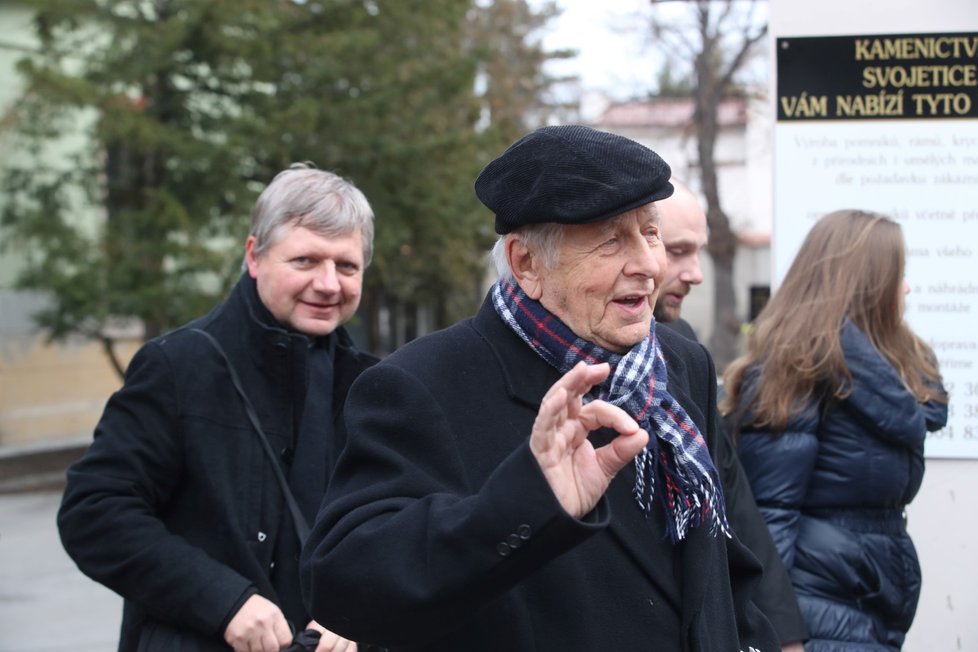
[570, 174]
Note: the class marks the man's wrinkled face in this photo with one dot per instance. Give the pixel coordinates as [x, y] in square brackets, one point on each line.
[309, 282]
[606, 279]
[684, 233]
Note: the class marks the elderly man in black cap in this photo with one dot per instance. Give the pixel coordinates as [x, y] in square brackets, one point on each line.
[537, 477]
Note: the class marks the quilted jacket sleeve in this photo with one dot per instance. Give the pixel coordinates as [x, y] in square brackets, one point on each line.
[779, 468]
[774, 594]
[877, 395]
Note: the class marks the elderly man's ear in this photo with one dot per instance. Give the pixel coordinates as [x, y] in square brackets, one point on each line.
[526, 267]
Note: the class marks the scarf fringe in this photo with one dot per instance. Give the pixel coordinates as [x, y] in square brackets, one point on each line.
[685, 502]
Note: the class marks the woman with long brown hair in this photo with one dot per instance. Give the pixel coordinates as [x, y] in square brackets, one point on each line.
[831, 405]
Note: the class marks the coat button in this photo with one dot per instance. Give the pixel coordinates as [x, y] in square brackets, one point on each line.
[524, 531]
[514, 541]
[261, 537]
[503, 550]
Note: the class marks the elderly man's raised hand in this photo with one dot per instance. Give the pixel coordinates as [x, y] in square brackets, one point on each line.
[578, 473]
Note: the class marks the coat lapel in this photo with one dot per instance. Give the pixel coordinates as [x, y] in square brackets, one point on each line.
[644, 537]
[527, 376]
[679, 386]
[699, 550]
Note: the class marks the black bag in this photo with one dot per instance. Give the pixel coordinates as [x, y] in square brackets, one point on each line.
[304, 641]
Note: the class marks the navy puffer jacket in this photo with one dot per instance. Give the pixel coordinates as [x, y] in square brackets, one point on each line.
[833, 487]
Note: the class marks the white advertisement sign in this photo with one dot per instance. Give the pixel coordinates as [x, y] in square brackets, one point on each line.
[890, 124]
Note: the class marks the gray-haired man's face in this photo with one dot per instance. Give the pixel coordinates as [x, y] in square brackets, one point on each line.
[309, 282]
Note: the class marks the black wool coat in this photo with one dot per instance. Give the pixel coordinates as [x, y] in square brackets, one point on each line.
[175, 506]
[439, 531]
[774, 594]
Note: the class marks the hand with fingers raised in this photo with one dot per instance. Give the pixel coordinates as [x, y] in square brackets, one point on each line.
[578, 473]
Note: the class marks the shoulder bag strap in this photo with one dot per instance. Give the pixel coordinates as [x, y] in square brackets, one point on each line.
[301, 527]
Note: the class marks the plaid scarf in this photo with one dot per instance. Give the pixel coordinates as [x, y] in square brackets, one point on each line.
[675, 465]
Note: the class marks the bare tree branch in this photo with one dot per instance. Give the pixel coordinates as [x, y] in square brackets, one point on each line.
[720, 39]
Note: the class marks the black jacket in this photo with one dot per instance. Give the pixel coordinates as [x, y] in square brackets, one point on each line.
[174, 505]
[439, 531]
[774, 594]
[832, 488]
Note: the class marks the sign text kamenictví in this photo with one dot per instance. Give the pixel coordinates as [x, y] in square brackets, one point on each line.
[905, 76]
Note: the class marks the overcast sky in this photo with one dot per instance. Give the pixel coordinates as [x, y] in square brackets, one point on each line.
[612, 40]
[616, 54]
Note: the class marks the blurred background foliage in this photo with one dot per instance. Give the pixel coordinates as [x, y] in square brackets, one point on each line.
[189, 108]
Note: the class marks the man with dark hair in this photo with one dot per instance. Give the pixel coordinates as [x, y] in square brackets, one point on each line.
[537, 477]
[684, 234]
[176, 505]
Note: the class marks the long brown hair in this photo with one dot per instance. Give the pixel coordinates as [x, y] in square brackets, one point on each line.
[850, 264]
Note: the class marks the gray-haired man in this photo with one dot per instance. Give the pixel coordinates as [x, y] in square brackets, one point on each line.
[176, 506]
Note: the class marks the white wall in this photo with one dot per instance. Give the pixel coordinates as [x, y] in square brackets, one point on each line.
[942, 518]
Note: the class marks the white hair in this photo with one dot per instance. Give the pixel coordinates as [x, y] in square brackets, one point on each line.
[542, 239]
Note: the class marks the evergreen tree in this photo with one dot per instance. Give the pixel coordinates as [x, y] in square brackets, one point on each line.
[157, 89]
[520, 95]
[189, 108]
[716, 39]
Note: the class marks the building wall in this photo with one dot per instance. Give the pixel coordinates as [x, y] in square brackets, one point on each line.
[664, 127]
[50, 394]
[940, 519]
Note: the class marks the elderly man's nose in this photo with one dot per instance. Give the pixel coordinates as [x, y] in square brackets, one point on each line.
[644, 260]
